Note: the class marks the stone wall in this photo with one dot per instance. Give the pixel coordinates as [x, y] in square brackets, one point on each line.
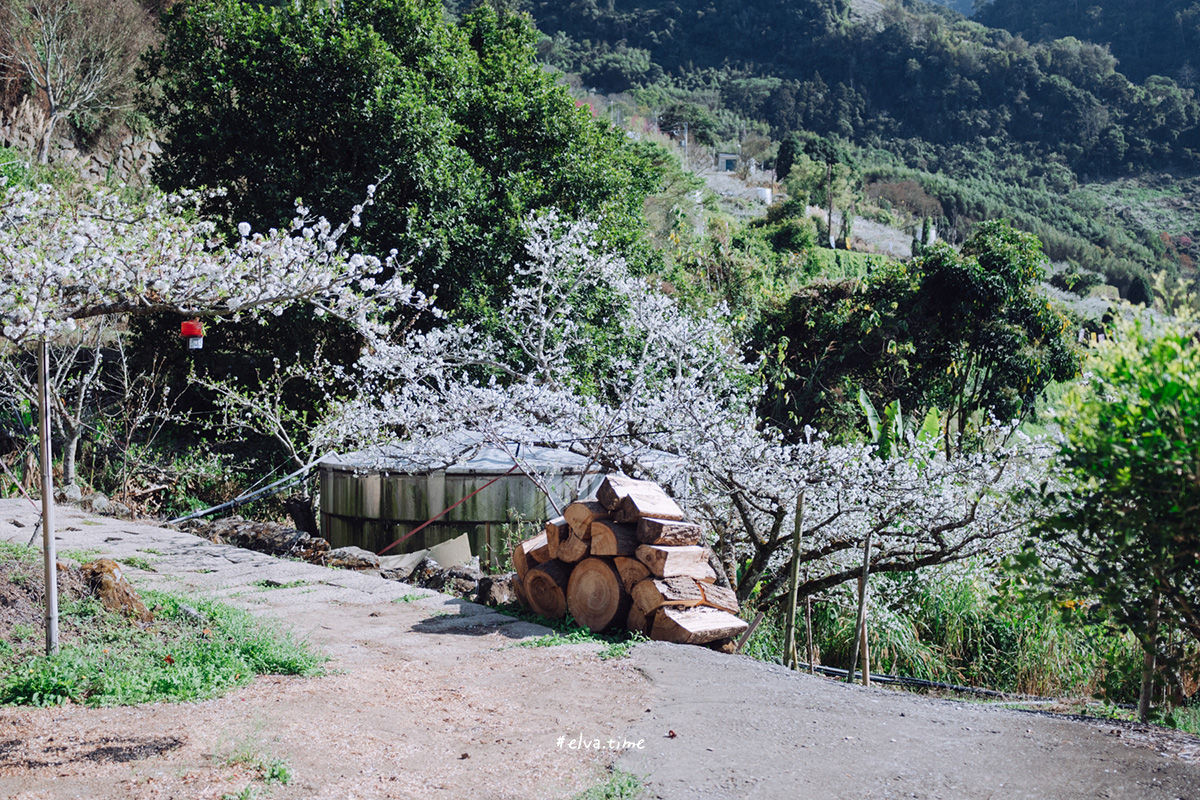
[125, 160]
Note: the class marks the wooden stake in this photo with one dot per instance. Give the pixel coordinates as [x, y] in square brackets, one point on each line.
[789, 622]
[862, 608]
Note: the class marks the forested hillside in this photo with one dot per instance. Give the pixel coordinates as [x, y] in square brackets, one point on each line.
[1158, 38]
[987, 123]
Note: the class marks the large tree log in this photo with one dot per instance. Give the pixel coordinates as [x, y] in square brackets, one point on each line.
[654, 593]
[698, 625]
[647, 503]
[720, 597]
[675, 562]
[582, 514]
[632, 571]
[574, 548]
[546, 588]
[668, 532]
[637, 621]
[615, 487]
[557, 529]
[613, 539]
[527, 554]
[595, 596]
[518, 585]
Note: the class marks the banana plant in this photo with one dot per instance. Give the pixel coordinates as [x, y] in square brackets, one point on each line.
[890, 432]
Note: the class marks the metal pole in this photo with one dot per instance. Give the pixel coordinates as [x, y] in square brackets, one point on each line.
[48, 554]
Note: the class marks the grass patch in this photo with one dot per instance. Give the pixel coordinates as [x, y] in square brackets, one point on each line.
[409, 598]
[620, 785]
[81, 554]
[616, 644]
[138, 562]
[13, 553]
[112, 661]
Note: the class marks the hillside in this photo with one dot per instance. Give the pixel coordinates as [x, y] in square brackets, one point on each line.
[1159, 38]
[987, 123]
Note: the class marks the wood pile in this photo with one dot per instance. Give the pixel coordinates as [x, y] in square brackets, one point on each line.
[629, 559]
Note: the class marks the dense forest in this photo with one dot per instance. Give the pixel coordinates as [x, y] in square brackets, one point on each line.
[1146, 38]
[989, 123]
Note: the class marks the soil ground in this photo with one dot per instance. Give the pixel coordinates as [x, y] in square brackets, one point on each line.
[428, 697]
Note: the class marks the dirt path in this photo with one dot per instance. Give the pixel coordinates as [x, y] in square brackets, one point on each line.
[429, 698]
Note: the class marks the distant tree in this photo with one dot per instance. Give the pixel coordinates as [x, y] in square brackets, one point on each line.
[789, 148]
[965, 332]
[78, 55]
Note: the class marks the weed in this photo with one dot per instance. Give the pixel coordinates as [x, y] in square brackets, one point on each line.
[150, 551]
[23, 632]
[620, 785]
[17, 578]
[138, 562]
[249, 793]
[277, 771]
[621, 649]
[409, 598]
[267, 583]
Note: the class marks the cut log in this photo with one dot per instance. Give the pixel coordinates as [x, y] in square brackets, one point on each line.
[675, 562]
[582, 514]
[615, 487]
[518, 586]
[636, 621]
[654, 593]
[556, 530]
[546, 588]
[613, 539]
[574, 548]
[651, 502]
[595, 596]
[668, 532]
[529, 553]
[698, 625]
[720, 597]
[631, 571]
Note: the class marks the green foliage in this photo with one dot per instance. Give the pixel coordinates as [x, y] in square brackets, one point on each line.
[953, 627]
[620, 785]
[459, 125]
[964, 332]
[117, 663]
[1124, 520]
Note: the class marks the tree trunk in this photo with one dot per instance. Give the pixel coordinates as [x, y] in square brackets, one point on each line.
[1149, 660]
[71, 437]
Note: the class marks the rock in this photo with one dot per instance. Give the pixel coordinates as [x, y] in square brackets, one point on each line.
[191, 614]
[496, 590]
[460, 580]
[119, 510]
[351, 558]
[69, 494]
[97, 503]
[108, 582]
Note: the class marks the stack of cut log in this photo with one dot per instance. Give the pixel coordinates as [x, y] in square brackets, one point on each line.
[627, 559]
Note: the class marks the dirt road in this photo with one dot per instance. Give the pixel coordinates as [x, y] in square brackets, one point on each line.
[429, 697]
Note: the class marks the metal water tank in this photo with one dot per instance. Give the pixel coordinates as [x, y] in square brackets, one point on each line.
[372, 498]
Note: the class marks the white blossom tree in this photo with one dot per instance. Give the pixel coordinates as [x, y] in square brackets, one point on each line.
[676, 384]
[69, 256]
